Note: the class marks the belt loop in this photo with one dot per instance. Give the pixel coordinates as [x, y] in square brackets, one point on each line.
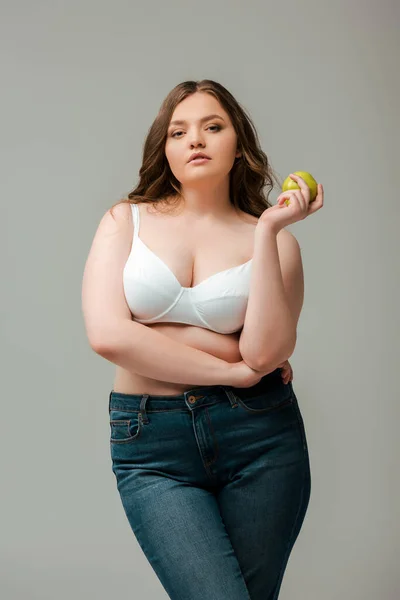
[142, 409]
[109, 402]
[232, 397]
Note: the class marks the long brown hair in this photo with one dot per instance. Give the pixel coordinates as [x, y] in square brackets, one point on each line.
[251, 177]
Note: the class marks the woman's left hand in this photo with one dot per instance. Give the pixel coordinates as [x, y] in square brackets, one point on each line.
[298, 206]
[287, 371]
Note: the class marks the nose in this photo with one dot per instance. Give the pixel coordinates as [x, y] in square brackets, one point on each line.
[196, 139]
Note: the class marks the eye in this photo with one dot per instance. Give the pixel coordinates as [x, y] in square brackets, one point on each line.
[211, 126]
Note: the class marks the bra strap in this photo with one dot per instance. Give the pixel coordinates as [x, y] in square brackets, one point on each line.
[136, 220]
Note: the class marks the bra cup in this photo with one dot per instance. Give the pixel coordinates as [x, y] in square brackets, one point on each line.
[154, 294]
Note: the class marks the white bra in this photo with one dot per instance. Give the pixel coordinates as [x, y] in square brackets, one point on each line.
[154, 295]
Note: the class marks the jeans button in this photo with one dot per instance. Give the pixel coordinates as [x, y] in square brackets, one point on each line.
[192, 399]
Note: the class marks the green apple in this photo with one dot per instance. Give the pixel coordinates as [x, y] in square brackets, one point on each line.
[290, 184]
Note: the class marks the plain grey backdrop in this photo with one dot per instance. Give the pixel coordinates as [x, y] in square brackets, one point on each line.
[81, 83]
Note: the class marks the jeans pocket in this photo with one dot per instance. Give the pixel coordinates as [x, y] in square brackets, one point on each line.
[125, 430]
[268, 400]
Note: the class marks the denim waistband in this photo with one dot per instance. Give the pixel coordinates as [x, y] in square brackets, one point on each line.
[192, 396]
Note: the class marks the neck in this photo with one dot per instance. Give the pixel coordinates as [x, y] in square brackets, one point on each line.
[205, 202]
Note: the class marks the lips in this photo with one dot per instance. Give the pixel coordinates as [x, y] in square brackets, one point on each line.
[198, 155]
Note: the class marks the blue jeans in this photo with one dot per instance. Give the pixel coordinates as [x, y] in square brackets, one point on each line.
[215, 484]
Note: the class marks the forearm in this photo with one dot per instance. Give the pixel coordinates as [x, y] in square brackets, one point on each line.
[268, 333]
[135, 347]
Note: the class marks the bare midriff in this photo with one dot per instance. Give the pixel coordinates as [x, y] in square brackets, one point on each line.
[223, 346]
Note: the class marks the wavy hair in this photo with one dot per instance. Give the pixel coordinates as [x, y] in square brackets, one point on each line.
[251, 177]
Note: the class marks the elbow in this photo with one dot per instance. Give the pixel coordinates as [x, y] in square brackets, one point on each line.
[265, 366]
[99, 346]
[101, 343]
[112, 337]
[269, 363]
[102, 339]
[100, 349]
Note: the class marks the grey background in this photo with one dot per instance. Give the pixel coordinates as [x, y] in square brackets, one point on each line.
[81, 83]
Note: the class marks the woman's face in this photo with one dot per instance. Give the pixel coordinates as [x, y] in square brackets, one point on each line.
[213, 136]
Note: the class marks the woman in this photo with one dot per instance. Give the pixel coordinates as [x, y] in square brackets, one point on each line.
[193, 288]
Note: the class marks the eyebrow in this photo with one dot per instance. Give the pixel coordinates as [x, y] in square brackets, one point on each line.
[207, 118]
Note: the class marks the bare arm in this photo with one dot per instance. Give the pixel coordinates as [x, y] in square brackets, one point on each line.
[138, 348]
[275, 299]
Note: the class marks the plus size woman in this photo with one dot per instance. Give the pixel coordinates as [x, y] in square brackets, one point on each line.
[193, 288]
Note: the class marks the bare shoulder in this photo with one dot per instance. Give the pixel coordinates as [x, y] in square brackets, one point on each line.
[116, 222]
[289, 250]
[287, 239]
[292, 271]
[120, 212]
